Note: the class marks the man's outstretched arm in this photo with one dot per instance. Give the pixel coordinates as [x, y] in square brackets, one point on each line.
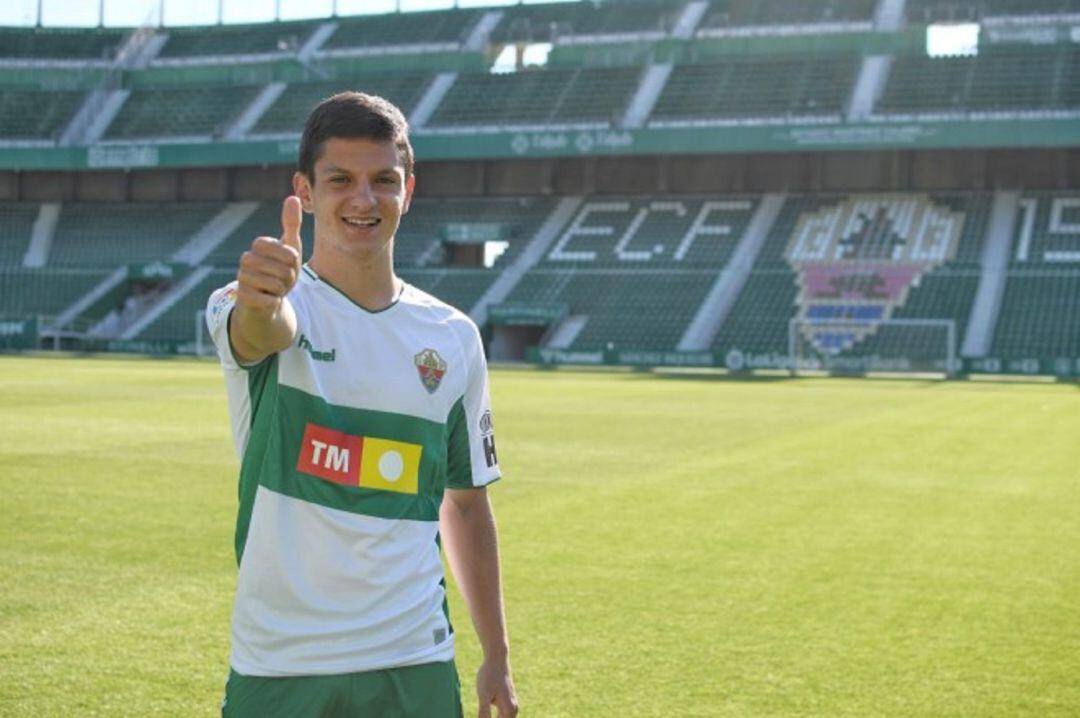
[469, 536]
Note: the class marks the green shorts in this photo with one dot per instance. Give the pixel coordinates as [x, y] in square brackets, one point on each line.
[429, 690]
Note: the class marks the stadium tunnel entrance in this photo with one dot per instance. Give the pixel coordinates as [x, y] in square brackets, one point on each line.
[517, 326]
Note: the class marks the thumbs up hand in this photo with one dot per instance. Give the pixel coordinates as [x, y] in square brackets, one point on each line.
[291, 217]
[270, 268]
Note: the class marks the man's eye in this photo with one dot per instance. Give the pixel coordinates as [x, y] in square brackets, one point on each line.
[339, 180]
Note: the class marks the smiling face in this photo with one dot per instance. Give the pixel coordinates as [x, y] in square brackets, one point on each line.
[358, 192]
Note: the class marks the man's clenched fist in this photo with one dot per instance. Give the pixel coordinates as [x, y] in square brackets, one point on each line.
[271, 267]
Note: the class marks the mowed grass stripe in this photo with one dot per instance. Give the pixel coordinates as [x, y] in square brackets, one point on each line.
[671, 546]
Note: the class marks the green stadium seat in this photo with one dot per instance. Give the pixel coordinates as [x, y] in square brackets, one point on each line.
[757, 87]
[727, 14]
[626, 309]
[264, 221]
[1039, 310]
[16, 226]
[254, 39]
[995, 81]
[545, 23]
[1038, 315]
[92, 234]
[928, 11]
[37, 114]
[54, 43]
[180, 112]
[44, 292]
[178, 321]
[441, 27]
[538, 97]
[291, 109]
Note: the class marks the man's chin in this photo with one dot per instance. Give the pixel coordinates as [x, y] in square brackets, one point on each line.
[364, 250]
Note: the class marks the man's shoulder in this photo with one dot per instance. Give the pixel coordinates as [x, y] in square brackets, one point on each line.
[444, 317]
[437, 309]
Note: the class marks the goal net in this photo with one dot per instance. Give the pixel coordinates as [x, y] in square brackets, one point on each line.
[922, 346]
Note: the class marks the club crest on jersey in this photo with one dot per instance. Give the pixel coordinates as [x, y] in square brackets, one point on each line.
[431, 368]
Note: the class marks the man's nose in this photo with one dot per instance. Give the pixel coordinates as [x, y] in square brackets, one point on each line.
[363, 194]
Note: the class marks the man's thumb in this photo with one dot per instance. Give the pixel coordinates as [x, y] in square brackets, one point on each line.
[291, 217]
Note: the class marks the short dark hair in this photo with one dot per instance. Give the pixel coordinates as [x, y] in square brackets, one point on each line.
[353, 115]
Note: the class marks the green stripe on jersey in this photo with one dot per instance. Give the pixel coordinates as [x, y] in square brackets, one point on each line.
[336, 456]
[262, 393]
[459, 457]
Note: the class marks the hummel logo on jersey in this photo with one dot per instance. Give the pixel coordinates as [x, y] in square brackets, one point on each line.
[315, 354]
[364, 461]
[490, 457]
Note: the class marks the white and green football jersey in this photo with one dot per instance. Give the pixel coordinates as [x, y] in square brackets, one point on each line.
[347, 440]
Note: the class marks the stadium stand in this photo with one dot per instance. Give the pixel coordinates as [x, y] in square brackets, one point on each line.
[60, 43]
[643, 309]
[422, 233]
[16, 224]
[179, 112]
[586, 21]
[36, 114]
[636, 268]
[179, 320]
[538, 97]
[264, 38]
[95, 235]
[973, 10]
[727, 14]
[44, 292]
[999, 80]
[633, 259]
[756, 87]
[440, 28]
[636, 233]
[264, 220]
[777, 288]
[289, 111]
[1042, 293]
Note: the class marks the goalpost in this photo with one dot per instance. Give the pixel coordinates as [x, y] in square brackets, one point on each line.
[203, 345]
[920, 346]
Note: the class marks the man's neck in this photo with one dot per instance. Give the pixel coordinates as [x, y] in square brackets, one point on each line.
[373, 285]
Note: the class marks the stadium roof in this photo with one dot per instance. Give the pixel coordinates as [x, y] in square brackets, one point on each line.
[133, 13]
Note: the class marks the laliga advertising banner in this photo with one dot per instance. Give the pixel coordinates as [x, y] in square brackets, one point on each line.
[19, 333]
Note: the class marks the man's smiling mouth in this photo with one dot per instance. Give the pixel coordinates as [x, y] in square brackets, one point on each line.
[362, 221]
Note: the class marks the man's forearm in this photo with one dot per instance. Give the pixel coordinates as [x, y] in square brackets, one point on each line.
[255, 334]
[470, 539]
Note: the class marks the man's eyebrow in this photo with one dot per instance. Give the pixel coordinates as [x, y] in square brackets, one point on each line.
[332, 169]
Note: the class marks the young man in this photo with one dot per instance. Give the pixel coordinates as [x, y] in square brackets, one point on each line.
[360, 410]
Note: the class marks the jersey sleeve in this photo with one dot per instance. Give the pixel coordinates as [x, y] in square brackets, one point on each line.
[471, 454]
[218, 308]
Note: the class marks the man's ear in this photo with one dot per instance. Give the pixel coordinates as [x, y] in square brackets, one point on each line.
[410, 184]
[302, 189]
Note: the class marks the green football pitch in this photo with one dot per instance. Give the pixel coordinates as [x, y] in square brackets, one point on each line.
[672, 546]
